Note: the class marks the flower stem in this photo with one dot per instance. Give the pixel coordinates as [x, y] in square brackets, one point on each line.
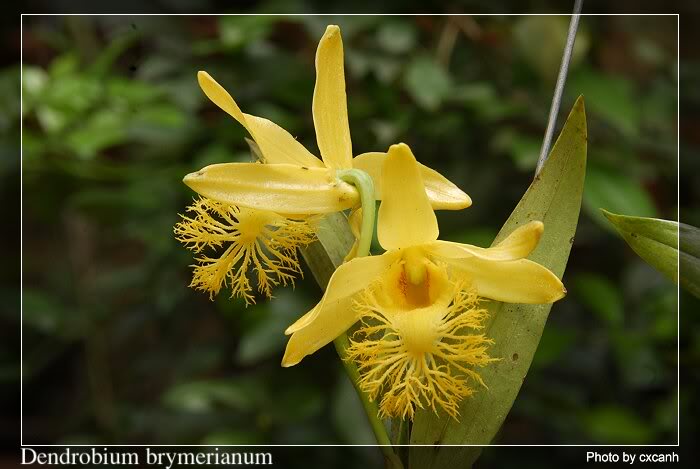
[364, 185]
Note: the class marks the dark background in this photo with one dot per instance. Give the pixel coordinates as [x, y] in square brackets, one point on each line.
[117, 349]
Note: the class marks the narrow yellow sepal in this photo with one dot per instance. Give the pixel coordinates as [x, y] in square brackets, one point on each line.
[514, 281]
[330, 107]
[276, 144]
[519, 244]
[335, 313]
[281, 188]
[406, 217]
[442, 193]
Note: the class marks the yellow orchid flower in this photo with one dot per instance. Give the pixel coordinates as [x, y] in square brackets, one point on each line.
[293, 180]
[261, 213]
[419, 341]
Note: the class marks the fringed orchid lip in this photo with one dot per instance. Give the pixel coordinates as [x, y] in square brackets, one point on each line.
[250, 240]
[421, 354]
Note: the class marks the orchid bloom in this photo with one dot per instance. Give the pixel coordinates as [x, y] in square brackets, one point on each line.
[261, 213]
[420, 302]
[297, 182]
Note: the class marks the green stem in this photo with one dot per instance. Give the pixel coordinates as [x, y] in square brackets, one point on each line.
[365, 186]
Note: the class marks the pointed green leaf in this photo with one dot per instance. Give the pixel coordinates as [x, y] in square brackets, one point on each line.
[654, 240]
[554, 197]
[657, 242]
[689, 256]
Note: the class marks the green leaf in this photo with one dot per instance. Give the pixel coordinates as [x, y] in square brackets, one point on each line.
[64, 65]
[541, 40]
[428, 83]
[554, 197]
[164, 115]
[109, 54]
[101, 130]
[657, 242]
[237, 31]
[132, 92]
[654, 240]
[484, 99]
[396, 37]
[34, 81]
[73, 94]
[689, 256]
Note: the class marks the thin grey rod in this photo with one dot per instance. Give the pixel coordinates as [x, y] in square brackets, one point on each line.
[559, 89]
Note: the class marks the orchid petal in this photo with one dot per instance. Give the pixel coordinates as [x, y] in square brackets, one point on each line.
[281, 188]
[330, 102]
[335, 313]
[519, 244]
[442, 193]
[405, 215]
[276, 144]
[515, 281]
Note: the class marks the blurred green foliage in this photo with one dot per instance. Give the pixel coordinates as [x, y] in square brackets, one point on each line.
[118, 349]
